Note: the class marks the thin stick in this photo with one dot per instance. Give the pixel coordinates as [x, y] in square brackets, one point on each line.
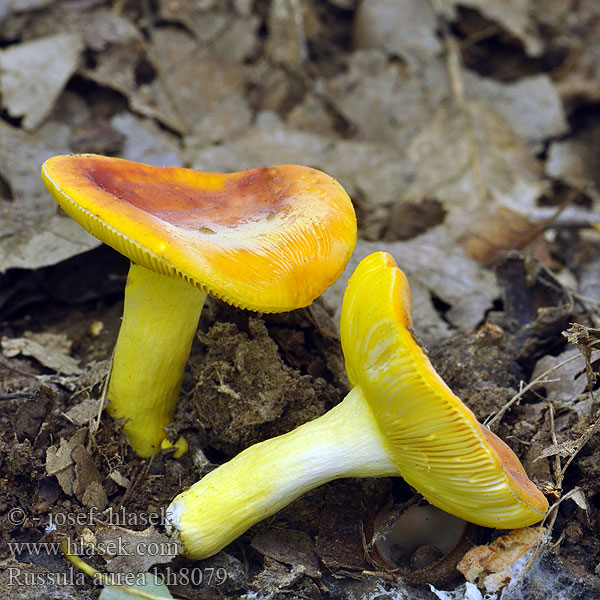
[15, 396]
[538, 380]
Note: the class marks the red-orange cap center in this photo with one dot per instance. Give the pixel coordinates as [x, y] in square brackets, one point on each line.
[223, 201]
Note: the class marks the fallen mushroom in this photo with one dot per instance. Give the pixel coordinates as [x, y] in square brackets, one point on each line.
[400, 419]
[269, 239]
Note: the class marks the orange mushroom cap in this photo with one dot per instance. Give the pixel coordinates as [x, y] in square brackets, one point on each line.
[269, 239]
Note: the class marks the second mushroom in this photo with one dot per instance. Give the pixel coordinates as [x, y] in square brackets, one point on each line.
[399, 419]
[269, 239]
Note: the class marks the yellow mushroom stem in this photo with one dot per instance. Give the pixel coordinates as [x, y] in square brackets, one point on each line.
[264, 478]
[160, 318]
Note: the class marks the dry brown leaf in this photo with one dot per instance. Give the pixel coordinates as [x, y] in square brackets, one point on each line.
[499, 229]
[87, 486]
[50, 349]
[289, 546]
[84, 412]
[563, 449]
[286, 43]
[128, 551]
[212, 111]
[229, 35]
[385, 102]
[494, 566]
[530, 106]
[60, 463]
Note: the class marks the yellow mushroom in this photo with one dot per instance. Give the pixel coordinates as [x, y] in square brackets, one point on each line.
[270, 239]
[399, 419]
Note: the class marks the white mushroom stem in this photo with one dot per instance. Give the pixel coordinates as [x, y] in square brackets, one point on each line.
[261, 480]
[160, 318]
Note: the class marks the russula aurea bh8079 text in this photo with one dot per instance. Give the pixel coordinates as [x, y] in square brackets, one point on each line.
[400, 419]
[270, 239]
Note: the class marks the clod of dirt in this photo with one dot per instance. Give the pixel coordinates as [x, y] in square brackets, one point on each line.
[479, 367]
[340, 543]
[245, 393]
[32, 413]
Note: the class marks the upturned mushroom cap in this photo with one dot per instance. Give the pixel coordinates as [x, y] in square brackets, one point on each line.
[269, 239]
[436, 442]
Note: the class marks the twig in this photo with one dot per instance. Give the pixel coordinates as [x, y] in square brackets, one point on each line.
[490, 422]
[15, 396]
[96, 423]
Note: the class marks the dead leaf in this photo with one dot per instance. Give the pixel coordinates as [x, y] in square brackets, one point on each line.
[383, 101]
[500, 228]
[568, 387]
[119, 479]
[128, 551]
[468, 158]
[33, 74]
[59, 461]
[288, 546]
[586, 339]
[407, 28]
[84, 412]
[578, 496]
[24, 242]
[433, 265]
[181, 90]
[530, 106]
[229, 35]
[105, 28]
[563, 449]
[515, 16]
[145, 141]
[50, 349]
[493, 566]
[87, 486]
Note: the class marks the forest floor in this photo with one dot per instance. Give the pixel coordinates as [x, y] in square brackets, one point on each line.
[467, 134]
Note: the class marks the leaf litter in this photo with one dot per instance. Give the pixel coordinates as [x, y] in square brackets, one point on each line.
[451, 158]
